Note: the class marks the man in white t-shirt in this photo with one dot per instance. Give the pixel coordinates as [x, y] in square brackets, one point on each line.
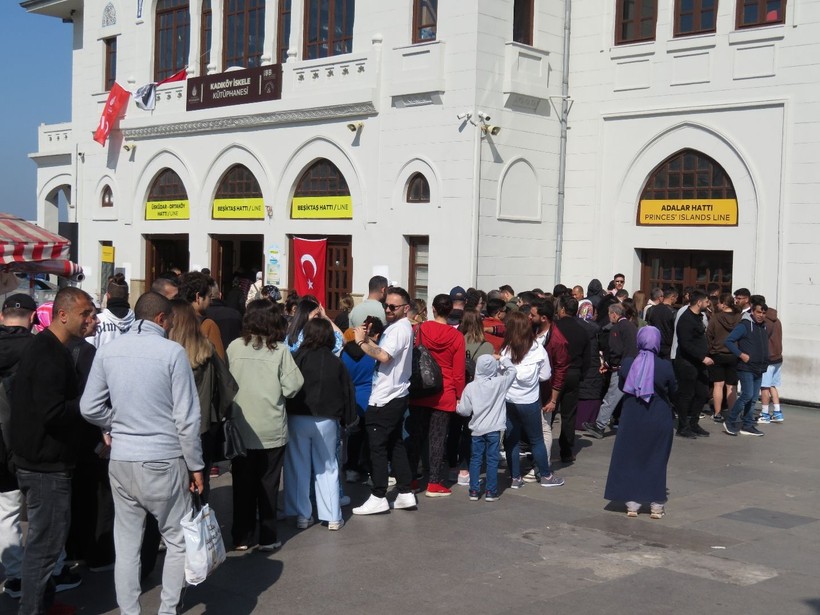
[388, 404]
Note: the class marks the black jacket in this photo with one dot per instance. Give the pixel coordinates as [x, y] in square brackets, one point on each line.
[692, 344]
[45, 407]
[328, 391]
[662, 317]
[228, 319]
[577, 342]
[13, 343]
[592, 381]
[623, 342]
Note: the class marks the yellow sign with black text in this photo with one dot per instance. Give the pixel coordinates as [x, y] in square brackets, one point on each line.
[107, 254]
[322, 208]
[239, 209]
[167, 210]
[696, 212]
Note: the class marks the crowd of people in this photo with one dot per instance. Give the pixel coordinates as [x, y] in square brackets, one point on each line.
[109, 419]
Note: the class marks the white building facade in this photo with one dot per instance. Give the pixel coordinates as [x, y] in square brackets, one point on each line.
[433, 129]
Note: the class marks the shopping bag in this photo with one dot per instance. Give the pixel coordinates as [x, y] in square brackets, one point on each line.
[204, 549]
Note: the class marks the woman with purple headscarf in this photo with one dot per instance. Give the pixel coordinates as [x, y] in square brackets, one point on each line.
[637, 472]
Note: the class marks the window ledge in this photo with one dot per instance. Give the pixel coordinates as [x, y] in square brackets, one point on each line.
[756, 35]
[632, 50]
[690, 43]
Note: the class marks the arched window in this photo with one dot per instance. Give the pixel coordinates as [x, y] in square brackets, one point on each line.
[167, 198]
[322, 178]
[425, 18]
[418, 189]
[205, 30]
[238, 183]
[167, 186]
[244, 33]
[328, 28]
[173, 33]
[107, 199]
[688, 174]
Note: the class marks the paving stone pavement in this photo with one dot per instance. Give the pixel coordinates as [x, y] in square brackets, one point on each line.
[741, 535]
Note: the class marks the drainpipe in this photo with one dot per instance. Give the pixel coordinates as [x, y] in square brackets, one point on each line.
[476, 200]
[562, 151]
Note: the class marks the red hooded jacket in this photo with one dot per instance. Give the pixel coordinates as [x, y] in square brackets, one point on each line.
[447, 346]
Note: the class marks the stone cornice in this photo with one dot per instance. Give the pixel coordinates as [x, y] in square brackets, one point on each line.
[249, 121]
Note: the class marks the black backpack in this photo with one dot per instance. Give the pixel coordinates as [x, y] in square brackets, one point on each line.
[426, 378]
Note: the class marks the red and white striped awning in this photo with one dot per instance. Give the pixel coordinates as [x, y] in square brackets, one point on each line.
[24, 242]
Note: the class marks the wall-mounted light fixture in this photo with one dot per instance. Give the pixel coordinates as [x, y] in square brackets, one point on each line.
[355, 126]
[129, 147]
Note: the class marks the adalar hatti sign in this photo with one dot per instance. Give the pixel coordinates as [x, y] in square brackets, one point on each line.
[236, 87]
[322, 207]
[167, 210]
[683, 212]
[239, 209]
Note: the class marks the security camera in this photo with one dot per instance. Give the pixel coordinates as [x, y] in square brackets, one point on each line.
[355, 126]
[129, 147]
[464, 116]
[489, 129]
[483, 116]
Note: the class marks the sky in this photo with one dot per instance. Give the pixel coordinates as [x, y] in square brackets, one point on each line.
[36, 89]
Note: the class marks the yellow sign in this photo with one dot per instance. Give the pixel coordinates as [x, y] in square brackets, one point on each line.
[167, 210]
[107, 255]
[322, 207]
[239, 209]
[697, 212]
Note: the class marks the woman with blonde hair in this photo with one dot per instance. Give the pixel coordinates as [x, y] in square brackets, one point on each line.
[214, 384]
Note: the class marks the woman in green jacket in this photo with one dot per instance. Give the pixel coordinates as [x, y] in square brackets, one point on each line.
[262, 364]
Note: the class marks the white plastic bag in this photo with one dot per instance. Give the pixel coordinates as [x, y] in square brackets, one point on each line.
[204, 549]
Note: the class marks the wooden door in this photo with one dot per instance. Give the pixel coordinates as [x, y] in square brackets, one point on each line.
[681, 268]
[162, 253]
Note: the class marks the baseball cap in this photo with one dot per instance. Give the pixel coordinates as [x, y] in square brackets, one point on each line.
[457, 293]
[19, 301]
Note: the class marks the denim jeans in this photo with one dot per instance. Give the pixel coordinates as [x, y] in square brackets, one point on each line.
[528, 418]
[48, 497]
[749, 389]
[491, 443]
[310, 460]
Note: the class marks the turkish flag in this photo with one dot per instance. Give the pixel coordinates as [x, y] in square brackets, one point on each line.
[181, 75]
[117, 98]
[309, 256]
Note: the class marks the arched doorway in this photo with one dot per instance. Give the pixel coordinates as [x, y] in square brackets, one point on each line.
[167, 200]
[689, 188]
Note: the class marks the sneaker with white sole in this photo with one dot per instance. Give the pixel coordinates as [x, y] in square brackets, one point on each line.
[530, 477]
[464, 480]
[405, 501]
[764, 419]
[517, 483]
[751, 431]
[373, 506]
[551, 481]
[335, 526]
[777, 417]
[303, 523]
[270, 547]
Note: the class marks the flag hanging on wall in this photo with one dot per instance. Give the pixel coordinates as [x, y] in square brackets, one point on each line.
[180, 75]
[146, 96]
[309, 270]
[117, 98]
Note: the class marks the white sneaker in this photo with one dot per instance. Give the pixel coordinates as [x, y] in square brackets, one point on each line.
[405, 501]
[530, 477]
[303, 523]
[391, 481]
[464, 480]
[372, 506]
[344, 500]
[334, 526]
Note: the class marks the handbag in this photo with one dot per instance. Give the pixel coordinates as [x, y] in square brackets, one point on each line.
[425, 378]
[234, 446]
[204, 548]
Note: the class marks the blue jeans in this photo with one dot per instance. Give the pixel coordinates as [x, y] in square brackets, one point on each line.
[749, 389]
[528, 418]
[489, 442]
[48, 498]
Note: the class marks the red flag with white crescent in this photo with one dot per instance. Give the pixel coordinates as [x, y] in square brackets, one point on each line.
[309, 257]
[117, 98]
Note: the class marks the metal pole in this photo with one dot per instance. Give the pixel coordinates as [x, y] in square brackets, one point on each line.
[562, 152]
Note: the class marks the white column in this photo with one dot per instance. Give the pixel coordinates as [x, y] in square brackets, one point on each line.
[270, 42]
[217, 21]
[194, 51]
[297, 29]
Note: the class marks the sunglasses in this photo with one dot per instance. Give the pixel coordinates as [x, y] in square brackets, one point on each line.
[393, 308]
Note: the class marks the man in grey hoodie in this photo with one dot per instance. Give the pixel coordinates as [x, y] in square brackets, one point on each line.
[484, 399]
[141, 389]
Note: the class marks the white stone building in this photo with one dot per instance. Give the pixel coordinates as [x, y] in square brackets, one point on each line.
[692, 148]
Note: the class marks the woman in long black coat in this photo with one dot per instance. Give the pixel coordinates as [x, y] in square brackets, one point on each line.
[637, 471]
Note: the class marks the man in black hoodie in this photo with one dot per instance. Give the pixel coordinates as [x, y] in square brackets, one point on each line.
[45, 421]
[691, 360]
